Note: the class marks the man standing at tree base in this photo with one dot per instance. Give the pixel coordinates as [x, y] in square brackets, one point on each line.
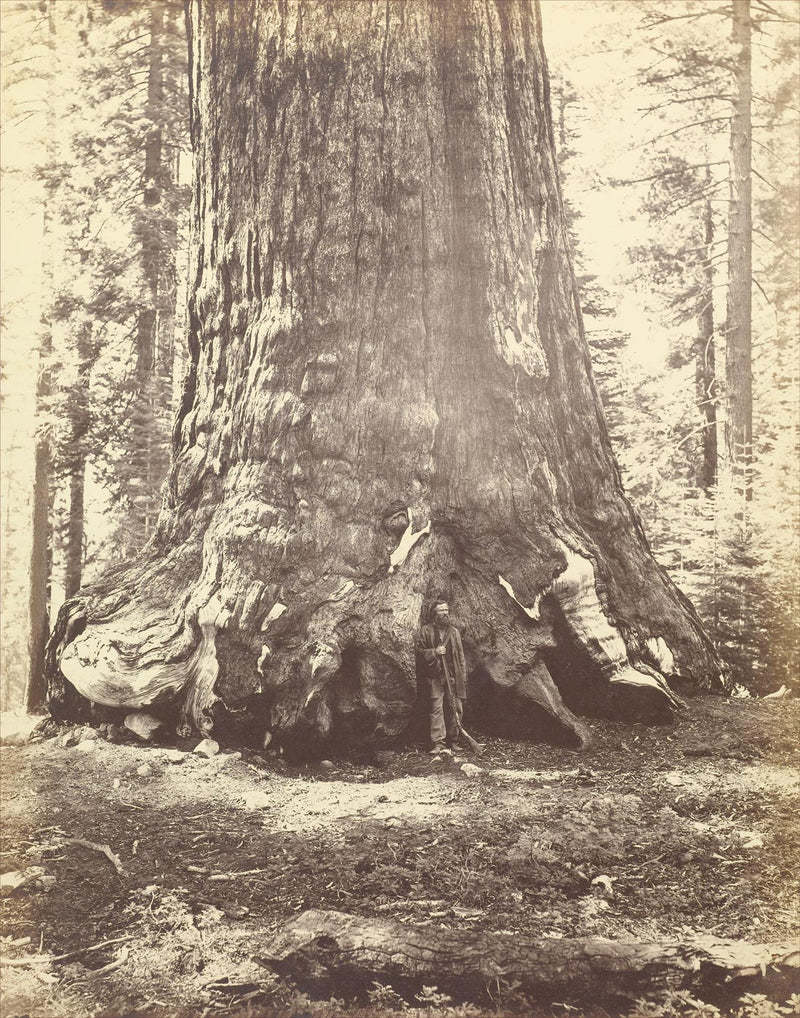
[444, 669]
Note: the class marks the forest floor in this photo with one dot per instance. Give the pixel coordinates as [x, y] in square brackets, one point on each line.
[691, 829]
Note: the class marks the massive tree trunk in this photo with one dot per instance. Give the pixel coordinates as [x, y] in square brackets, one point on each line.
[738, 356]
[390, 397]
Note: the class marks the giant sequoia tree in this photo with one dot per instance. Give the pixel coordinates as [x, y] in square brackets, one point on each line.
[390, 397]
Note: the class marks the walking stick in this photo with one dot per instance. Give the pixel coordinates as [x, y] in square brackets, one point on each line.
[473, 744]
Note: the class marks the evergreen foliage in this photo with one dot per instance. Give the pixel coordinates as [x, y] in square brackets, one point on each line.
[737, 561]
[109, 228]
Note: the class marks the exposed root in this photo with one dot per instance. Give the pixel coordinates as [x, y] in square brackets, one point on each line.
[107, 668]
[200, 699]
[575, 591]
[135, 658]
[339, 664]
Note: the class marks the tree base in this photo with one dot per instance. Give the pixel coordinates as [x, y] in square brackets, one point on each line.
[338, 668]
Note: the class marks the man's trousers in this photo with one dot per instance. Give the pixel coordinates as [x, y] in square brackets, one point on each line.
[446, 711]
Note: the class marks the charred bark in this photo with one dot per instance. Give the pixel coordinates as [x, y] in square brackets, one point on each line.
[390, 397]
[328, 952]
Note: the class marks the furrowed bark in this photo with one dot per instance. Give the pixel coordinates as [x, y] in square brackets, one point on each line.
[328, 952]
[390, 398]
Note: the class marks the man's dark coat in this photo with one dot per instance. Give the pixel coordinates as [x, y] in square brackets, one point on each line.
[457, 666]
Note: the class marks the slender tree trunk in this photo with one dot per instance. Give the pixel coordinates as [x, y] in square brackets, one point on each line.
[390, 397]
[738, 356]
[13, 651]
[41, 530]
[705, 367]
[154, 347]
[151, 249]
[41, 539]
[73, 566]
[76, 517]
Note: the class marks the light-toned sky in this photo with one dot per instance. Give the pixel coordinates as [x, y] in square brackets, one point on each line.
[585, 41]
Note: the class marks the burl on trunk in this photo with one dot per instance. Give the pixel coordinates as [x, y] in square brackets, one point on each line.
[390, 398]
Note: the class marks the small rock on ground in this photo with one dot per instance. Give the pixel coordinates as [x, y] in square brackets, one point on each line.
[257, 800]
[219, 761]
[143, 725]
[174, 756]
[207, 748]
[15, 739]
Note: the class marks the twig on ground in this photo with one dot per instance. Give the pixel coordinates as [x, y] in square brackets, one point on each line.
[223, 986]
[248, 996]
[106, 850]
[47, 959]
[19, 942]
[72, 955]
[111, 967]
[234, 874]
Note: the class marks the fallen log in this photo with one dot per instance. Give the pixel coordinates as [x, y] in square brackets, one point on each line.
[329, 952]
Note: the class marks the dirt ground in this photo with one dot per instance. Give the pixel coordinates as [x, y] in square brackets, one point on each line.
[651, 832]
